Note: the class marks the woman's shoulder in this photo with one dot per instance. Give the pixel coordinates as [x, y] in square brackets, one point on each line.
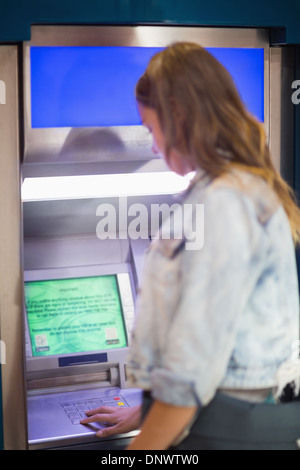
[245, 186]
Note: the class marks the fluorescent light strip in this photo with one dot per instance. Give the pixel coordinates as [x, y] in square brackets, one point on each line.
[100, 186]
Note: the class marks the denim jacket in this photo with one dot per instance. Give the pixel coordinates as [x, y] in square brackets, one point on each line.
[221, 313]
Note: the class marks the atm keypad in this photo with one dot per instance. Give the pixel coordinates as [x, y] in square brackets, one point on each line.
[76, 410]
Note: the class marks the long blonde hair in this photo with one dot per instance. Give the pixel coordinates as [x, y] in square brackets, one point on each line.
[215, 129]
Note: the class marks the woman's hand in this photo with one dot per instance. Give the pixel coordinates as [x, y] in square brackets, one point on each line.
[116, 420]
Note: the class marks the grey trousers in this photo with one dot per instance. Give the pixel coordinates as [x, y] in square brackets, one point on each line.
[230, 424]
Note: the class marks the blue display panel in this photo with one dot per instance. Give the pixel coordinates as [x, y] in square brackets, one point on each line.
[246, 66]
[94, 86]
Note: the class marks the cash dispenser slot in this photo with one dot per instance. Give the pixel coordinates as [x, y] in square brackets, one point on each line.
[68, 377]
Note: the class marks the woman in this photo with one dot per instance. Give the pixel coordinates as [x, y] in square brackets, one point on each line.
[216, 324]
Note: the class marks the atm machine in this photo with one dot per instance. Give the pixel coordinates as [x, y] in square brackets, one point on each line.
[89, 183]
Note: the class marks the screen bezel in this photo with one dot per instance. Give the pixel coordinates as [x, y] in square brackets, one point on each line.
[116, 355]
[48, 144]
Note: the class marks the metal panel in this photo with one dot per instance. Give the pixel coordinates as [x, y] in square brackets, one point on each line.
[282, 111]
[11, 321]
[297, 121]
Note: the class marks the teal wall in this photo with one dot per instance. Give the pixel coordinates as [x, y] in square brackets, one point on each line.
[16, 16]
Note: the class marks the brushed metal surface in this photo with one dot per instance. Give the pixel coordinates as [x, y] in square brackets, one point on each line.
[11, 318]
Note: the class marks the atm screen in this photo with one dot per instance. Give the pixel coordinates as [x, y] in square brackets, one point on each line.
[94, 86]
[86, 86]
[75, 315]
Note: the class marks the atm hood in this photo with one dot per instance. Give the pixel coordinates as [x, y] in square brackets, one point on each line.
[70, 72]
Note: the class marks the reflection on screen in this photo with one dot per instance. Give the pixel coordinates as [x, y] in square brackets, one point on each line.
[94, 86]
[74, 315]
